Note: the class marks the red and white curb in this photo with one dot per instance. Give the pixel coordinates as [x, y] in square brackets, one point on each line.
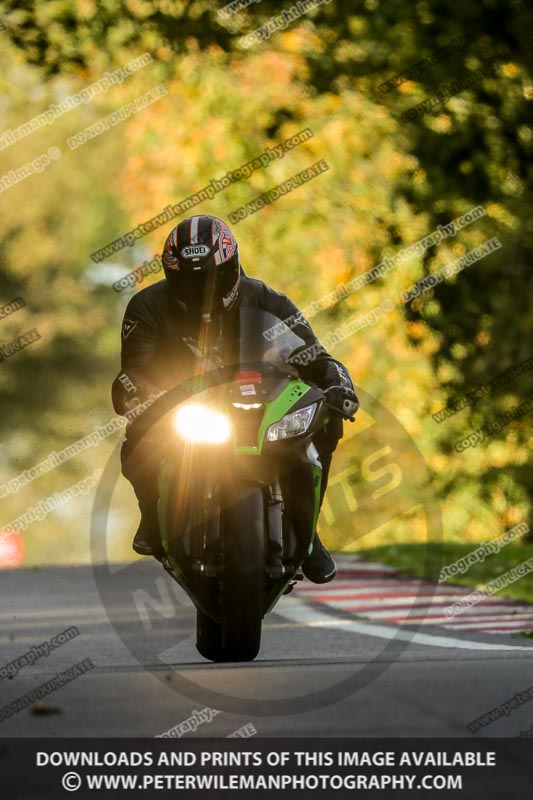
[382, 594]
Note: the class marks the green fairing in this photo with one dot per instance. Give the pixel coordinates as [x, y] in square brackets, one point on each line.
[275, 410]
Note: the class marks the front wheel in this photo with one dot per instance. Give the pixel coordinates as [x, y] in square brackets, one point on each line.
[237, 636]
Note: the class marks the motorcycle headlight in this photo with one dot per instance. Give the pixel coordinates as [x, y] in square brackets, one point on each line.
[196, 423]
[291, 424]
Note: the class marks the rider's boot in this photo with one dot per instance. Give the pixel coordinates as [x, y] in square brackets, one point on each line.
[147, 540]
[319, 567]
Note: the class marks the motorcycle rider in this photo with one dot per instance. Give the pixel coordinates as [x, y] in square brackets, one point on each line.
[204, 277]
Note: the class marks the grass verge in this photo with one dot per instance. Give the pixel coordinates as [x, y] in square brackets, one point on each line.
[427, 559]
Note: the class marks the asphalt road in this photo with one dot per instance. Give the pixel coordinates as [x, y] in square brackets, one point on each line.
[320, 673]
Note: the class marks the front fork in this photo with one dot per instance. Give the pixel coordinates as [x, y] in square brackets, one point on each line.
[293, 504]
[309, 472]
[316, 469]
[275, 541]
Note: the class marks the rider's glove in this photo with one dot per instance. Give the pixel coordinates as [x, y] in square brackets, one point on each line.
[342, 400]
[131, 391]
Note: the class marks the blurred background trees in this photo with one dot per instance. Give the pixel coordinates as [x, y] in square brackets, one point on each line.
[391, 182]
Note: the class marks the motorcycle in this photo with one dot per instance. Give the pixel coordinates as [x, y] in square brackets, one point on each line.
[239, 495]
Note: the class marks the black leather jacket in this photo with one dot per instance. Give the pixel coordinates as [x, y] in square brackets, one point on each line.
[154, 356]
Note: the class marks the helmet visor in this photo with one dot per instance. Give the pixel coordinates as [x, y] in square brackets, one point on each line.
[204, 288]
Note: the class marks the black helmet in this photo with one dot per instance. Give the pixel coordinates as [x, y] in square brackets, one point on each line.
[201, 263]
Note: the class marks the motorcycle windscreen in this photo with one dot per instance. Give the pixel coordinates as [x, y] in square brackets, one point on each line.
[264, 337]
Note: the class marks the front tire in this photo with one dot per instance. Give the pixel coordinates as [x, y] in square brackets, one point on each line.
[237, 637]
[209, 637]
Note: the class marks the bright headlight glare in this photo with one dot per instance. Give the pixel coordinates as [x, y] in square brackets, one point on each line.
[291, 424]
[196, 423]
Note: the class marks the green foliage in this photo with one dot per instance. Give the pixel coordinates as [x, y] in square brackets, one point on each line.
[390, 183]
